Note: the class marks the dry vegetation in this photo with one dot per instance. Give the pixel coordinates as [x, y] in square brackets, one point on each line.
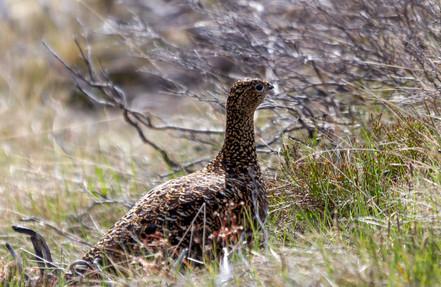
[350, 143]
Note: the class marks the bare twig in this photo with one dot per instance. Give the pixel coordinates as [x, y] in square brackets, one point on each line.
[59, 231]
[116, 98]
[42, 252]
[16, 256]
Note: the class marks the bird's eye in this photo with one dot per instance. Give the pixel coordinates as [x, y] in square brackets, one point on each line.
[259, 87]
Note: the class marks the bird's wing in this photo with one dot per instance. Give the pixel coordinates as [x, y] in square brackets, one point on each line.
[168, 210]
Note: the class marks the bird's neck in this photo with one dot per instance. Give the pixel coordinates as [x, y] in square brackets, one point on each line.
[238, 154]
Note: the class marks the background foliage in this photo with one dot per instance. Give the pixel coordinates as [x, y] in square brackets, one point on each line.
[350, 142]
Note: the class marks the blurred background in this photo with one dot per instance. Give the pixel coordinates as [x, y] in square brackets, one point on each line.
[70, 69]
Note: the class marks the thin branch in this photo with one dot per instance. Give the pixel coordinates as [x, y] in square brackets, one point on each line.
[16, 256]
[42, 252]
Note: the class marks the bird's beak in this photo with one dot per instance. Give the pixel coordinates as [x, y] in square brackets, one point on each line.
[270, 87]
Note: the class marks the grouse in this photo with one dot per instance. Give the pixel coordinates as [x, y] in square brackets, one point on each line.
[196, 214]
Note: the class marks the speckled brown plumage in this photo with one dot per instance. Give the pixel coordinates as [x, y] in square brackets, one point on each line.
[194, 211]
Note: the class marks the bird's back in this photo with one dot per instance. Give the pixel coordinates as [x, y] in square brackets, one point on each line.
[193, 207]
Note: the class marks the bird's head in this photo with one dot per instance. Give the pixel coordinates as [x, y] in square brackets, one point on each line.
[246, 95]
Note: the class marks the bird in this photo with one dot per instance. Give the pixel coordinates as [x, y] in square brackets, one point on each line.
[194, 215]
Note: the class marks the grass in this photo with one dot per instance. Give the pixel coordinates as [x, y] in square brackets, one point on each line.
[360, 210]
[365, 212]
[375, 197]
